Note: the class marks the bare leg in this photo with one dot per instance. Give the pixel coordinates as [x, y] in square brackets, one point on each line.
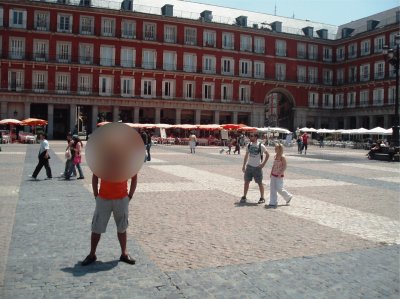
[246, 188]
[122, 238]
[94, 241]
[261, 187]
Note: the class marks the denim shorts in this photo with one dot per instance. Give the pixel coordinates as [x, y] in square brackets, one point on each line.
[104, 207]
[253, 172]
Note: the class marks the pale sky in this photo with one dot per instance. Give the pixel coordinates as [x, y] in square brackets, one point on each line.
[333, 12]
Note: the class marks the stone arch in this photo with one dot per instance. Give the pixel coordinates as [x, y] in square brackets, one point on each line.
[279, 108]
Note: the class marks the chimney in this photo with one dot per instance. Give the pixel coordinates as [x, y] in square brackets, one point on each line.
[255, 26]
[87, 3]
[127, 5]
[308, 31]
[346, 32]
[371, 24]
[322, 33]
[276, 26]
[167, 10]
[241, 21]
[398, 16]
[206, 16]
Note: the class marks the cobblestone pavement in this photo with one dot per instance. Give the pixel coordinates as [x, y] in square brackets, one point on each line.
[339, 238]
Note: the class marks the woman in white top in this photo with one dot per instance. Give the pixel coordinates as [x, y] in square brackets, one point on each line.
[192, 143]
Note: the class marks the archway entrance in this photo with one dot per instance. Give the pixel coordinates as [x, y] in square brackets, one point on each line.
[279, 112]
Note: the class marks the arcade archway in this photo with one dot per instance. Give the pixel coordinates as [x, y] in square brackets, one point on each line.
[279, 112]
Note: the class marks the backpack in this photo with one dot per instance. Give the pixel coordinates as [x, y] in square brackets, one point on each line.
[259, 149]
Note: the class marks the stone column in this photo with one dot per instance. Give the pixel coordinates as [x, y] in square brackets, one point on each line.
[318, 122]
[3, 110]
[72, 117]
[216, 117]
[371, 120]
[136, 112]
[115, 113]
[346, 123]
[178, 115]
[198, 117]
[235, 117]
[386, 121]
[95, 112]
[50, 119]
[27, 110]
[358, 122]
[157, 115]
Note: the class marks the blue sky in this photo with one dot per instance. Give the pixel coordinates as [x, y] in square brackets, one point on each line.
[334, 12]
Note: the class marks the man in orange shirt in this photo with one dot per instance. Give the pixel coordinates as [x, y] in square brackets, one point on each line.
[113, 197]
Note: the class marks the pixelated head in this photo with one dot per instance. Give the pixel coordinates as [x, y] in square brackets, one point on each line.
[115, 152]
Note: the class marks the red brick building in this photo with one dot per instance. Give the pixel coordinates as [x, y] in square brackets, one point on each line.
[64, 60]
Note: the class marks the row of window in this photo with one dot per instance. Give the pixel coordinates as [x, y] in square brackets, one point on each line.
[349, 100]
[228, 65]
[248, 43]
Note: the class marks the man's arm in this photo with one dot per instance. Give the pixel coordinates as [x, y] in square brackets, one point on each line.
[265, 158]
[95, 185]
[133, 186]
[246, 156]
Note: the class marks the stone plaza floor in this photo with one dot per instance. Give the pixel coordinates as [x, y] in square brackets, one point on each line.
[339, 237]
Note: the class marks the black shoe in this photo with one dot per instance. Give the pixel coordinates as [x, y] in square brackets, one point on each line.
[89, 260]
[127, 259]
[243, 199]
[270, 206]
[81, 178]
[262, 200]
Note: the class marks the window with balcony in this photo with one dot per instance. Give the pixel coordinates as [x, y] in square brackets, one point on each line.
[39, 81]
[245, 68]
[379, 42]
[189, 92]
[352, 50]
[107, 27]
[313, 99]
[227, 66]
[62, 83]
[379, 70]
[190, 36]
[353, 74]
[209, 38]
[107, 55]
[280, 48]
[327, 102]
[105, 85]
[15, 80]
[64, 23]
[40, 50]
[364, 72]
[17, 18]
[280, 71]
[149, 59]
[351, 99]
[340, 77]
[128, 29]
[63, 52]
[244, 94]
[85, 53]
[86, 25]
[148, 88]
[392, 71]
[149, 31]
[245, 43]
[170, 34]
[364, 98]
[127, 87]
[209, 64]
[339, 101]
[365, 47]
[169, 61]
[378, 96]
[327, 76]
[226, 92]
[168, 89]
[1, 16]
[84, 84]
[312, 75]
[42, 21]
[259, 45]
[312, 52]
[301, 74]
[128, 57]
[340, 54]
[259, 69]
[17, 48]
[327, 54]
[391, 95]
[301, 50]
[208, 91]
[228, 41]
[189, 62]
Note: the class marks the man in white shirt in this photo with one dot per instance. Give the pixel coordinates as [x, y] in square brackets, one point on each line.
[43, 158]
[254, 160]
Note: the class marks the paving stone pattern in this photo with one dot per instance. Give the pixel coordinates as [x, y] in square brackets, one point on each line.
[191, 238]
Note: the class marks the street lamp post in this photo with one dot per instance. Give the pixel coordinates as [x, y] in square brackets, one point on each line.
[393, 58]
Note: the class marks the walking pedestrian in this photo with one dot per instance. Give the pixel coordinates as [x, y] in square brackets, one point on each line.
[299, 144]
[254, 160]
[277, 174]
[76, 158]
[145, 139]
[43, 157]
[304, 140]
[68, 157]
[192, 143]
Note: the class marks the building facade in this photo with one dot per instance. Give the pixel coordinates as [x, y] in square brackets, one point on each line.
[76, 64]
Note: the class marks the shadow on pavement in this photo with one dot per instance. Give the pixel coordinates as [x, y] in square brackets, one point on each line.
[98, 266]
